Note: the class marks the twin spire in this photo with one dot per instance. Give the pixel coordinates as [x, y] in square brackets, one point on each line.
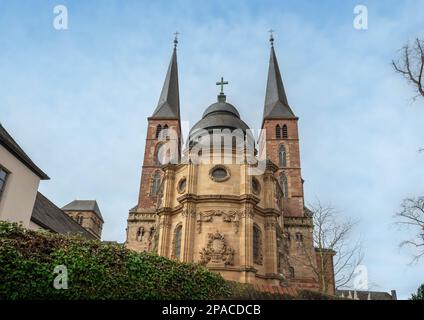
[276, 104]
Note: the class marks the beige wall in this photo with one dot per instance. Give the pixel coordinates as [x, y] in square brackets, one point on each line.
[17, 200]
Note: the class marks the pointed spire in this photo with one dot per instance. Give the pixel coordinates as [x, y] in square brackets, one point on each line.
[169, 100]
[276, 104]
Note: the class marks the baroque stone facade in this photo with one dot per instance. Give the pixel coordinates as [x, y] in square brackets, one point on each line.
[250, 225]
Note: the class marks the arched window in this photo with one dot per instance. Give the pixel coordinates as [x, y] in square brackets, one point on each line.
[158, 130]
[282, 157]
[284, 185]
[278, 132]
[164, 133]
[257, 245]
[285, 132]
[177, 242]
[299, 237]
[154, 189]
[291, 272]
[288, 236]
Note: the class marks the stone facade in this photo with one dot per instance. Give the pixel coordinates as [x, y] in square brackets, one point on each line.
[251, 228]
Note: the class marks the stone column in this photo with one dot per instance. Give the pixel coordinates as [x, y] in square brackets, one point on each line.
[164, 241]
[270, 248]
[189, 229]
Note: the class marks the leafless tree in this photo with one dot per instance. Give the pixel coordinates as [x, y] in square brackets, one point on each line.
[332, 241]
[411, 65]
[412, 217]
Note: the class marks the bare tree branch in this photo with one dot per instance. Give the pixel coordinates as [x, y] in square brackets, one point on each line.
[411, 65]
[332, 234]
[412, 216]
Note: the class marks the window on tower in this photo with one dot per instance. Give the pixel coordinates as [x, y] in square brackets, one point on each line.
[282, 157]
[158, 130]
[278, 132]
[155, 184]
[284, 185]
[285, 132]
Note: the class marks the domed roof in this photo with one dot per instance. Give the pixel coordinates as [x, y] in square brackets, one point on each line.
[219, 115]
[221, 107]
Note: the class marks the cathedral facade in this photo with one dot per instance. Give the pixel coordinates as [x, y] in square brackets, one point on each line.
[221, 199]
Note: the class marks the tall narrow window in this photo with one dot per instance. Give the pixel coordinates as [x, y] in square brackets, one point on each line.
[282, 157]
[177, 242]
[291, 272]
[299, 237]
[285, 132]
[155, 184]
[158, 130]
[278, 132]
[164, 133]
[284, 185]
[3, 177]
[257, 245]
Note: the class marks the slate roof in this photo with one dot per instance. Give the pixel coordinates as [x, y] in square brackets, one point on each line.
[11, 145]
[84, 205]
[47, 215]
[276, 104]
[169, 101]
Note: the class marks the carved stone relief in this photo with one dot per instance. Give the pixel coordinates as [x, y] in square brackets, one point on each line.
[217, 251]
[230, 216]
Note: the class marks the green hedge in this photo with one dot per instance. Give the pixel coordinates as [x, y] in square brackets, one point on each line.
[95, 270]
[108, 271]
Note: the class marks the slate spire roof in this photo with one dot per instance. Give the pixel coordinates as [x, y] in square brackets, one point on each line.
[276, 104]
[169, 100]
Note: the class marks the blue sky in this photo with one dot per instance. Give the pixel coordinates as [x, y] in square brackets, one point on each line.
[77, 100]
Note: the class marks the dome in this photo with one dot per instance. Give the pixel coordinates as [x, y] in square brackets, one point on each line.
[219, 115]
[221, 107]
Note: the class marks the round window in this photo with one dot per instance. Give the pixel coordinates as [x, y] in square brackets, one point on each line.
[182, 185]
[219, 174]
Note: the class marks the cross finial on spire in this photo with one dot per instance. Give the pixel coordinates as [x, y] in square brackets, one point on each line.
[176, 39]
[271, 37]
[222, 83]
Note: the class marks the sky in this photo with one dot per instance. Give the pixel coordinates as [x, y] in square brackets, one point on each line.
[77, 100]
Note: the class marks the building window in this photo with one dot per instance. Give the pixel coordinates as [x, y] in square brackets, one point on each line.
[282, 157]
[256, 187]
[177, 242]
[278, 132]
[285, 132]
[291, 272]
[80, 219]
[257, 245]
[299, 237]
[284, 185]
[158, 130]
[182, 185]
[164, 133]
[154, 190]
[3, 178]
[219, 173]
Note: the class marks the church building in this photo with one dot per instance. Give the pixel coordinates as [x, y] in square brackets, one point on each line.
[225, 199]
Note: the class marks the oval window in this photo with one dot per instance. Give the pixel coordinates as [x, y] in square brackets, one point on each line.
[182, 185]
[219, 174]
